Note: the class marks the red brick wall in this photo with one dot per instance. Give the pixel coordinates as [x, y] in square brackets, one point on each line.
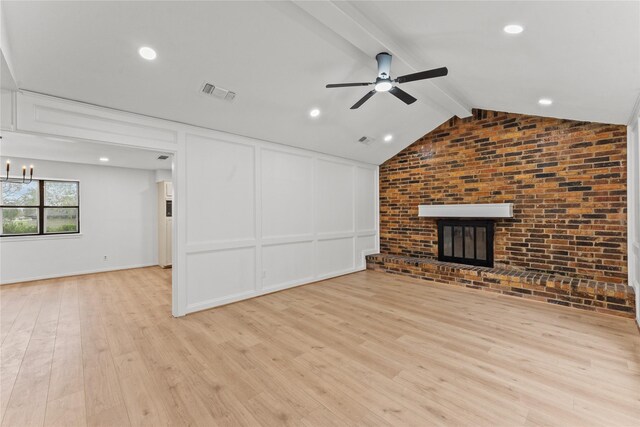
[566, 179]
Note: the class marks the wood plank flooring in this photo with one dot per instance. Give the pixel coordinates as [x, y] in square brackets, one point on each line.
[363, 349]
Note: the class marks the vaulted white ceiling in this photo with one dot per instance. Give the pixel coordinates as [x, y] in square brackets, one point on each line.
[277, 57]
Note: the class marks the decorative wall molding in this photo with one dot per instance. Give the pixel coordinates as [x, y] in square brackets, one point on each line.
[302, 206]
[53, 116]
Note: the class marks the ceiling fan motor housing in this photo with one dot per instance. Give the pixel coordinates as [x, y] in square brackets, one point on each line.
[384, 65]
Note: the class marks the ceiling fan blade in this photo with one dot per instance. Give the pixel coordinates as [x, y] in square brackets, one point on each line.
[363, 99]
[402, 95]
[422, 75]
[347, 84]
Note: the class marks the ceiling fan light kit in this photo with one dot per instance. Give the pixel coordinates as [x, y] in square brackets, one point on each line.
[384, 83]
[383, 86]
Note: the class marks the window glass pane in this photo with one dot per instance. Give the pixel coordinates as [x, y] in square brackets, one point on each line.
[60, 220]
[19, 221]
[481, 243]
[447, 240]
[457, 242]
[469, 239]
[57, 193]
[13, 194]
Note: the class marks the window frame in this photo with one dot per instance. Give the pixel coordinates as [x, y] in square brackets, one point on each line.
[41, 211]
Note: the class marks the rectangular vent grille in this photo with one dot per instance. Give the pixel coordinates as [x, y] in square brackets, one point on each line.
[208, 88]
[365, 140]
[163, 157]
[217, 92]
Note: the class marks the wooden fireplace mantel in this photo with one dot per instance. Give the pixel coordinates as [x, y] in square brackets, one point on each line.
[480, 210]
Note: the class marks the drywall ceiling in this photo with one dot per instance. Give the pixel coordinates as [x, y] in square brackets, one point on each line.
[277, 57]
[75, 151]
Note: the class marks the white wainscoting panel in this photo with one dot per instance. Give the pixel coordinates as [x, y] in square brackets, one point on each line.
[217, 275]
[286, 264]
[335, 256]
[365, 245]
[220, 191]
[287, 203]
[365, 204]
[304, 206]
[335, 196]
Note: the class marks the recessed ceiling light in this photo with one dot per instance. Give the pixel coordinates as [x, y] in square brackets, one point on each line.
[104, 159]
[388, 138]
[545, 101]
[147, 53]
[314, 113]
[513, 29]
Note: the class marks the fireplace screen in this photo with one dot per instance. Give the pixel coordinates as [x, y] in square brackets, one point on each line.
[466, 242]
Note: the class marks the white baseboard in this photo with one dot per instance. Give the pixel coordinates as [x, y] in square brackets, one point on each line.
[73, 273]
[205, 305]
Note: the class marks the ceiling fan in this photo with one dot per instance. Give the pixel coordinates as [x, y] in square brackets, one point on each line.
[384, 83]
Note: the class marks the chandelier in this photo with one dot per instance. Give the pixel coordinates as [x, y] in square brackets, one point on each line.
[17, 180]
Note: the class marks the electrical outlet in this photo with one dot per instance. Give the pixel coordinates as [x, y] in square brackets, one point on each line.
[105, 258]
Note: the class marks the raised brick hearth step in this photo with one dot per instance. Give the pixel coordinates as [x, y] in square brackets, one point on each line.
[609, 298]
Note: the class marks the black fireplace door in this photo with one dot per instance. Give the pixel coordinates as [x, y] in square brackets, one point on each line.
[466, 241]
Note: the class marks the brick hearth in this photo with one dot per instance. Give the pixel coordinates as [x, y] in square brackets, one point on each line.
[602, 297]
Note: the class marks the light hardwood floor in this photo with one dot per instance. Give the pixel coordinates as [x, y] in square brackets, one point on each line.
[363, 349]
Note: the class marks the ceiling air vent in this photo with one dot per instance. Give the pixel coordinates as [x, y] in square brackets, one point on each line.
[163, 157]
[365, 140]
[217, 92]
[208, 88]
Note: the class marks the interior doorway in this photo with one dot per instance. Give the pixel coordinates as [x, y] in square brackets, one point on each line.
[89, 207]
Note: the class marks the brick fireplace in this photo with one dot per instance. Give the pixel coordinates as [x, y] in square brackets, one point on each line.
[566, 180]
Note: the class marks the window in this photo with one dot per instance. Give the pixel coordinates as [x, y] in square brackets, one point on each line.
[40, 207]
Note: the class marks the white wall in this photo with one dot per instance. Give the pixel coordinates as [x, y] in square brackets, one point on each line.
[163, 175]
[266, 217]
[250, 217]
[633, 209]
[117, 219]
